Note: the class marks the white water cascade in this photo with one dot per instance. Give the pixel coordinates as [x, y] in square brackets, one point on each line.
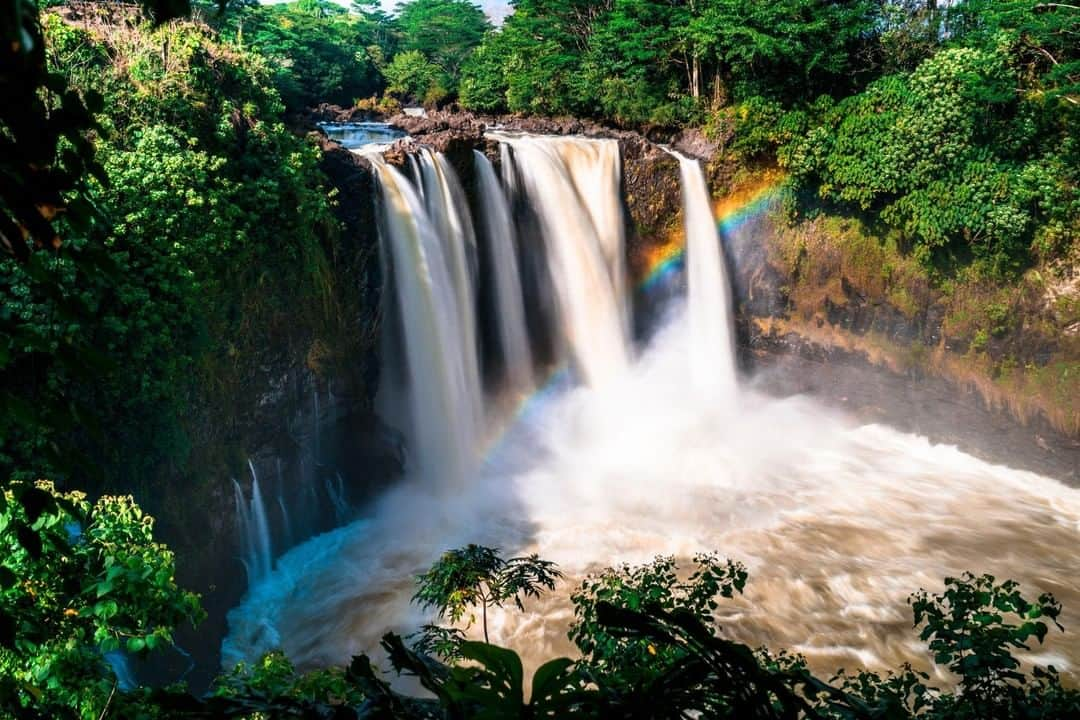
[574, 186]
[257, 547]
[837, 518]
[509, 307]
[435, 299]
[708, 306]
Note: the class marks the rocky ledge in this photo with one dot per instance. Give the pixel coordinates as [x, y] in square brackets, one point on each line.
[650, 175]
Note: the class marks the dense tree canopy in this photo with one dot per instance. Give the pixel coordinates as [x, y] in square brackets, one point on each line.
[318, 50]
[640, 60]
[444, 31]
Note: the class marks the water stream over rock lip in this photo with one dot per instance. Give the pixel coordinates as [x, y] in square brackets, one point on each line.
[355, 135]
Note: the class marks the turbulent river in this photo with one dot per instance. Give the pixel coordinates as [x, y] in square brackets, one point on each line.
[624, 453]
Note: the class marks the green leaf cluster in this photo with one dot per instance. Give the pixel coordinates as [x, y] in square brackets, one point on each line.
[78, 580]
[437, 37]
[210, 215]
[478, 575]
[656, 584]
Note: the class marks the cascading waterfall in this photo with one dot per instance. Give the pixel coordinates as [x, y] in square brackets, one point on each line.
[509, 308]
[434, 297]
[712, 322]
[448, 211]
[574, 186]
[642, 459]
[335, 490]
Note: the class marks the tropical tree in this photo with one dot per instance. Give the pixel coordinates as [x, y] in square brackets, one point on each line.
[411, 75]
[319, 51]
[476, 575]
[787, 48]
[445, 32]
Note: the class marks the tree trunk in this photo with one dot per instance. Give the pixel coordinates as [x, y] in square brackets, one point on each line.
[484, 612]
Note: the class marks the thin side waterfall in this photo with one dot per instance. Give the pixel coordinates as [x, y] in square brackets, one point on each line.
[286, 522]
[257, 556]
[569, 182]
[509, 299]
[712, 323]
[335, 490]
[443, 380]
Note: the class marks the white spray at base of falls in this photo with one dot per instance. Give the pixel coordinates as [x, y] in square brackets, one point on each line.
[837, 520]
[509, 307]
[574, 186]
[712, 322]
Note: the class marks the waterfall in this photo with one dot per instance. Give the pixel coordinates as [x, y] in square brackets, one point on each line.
[434, 291]
[509, 300]
[712, 323]
[286, 523]
[254, 530]
[574, 186]
[335, 490]
[448, 212]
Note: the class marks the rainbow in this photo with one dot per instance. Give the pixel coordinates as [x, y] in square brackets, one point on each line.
[731, 212]
[663, 261]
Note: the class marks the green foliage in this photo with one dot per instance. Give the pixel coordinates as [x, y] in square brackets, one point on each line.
[491, 686]
[318, 51]
[77, 581]
[646, 61]
[972, 154]
[477, 575]
[693, 672]
[45, 153]
[274, 678]
[444, 33]
[787, 49]
[973, 629]
[81, 580]
[483, 85]
[653, 585]
[216, 215]
[410, 76]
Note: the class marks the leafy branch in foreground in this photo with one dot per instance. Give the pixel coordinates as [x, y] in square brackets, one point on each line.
[655, 584]
[79, 581]
[475, 575]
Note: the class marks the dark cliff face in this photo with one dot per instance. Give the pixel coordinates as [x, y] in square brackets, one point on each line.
[812, 302]
[295, 404]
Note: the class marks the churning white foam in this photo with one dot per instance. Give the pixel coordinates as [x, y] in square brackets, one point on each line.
[837, 522]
